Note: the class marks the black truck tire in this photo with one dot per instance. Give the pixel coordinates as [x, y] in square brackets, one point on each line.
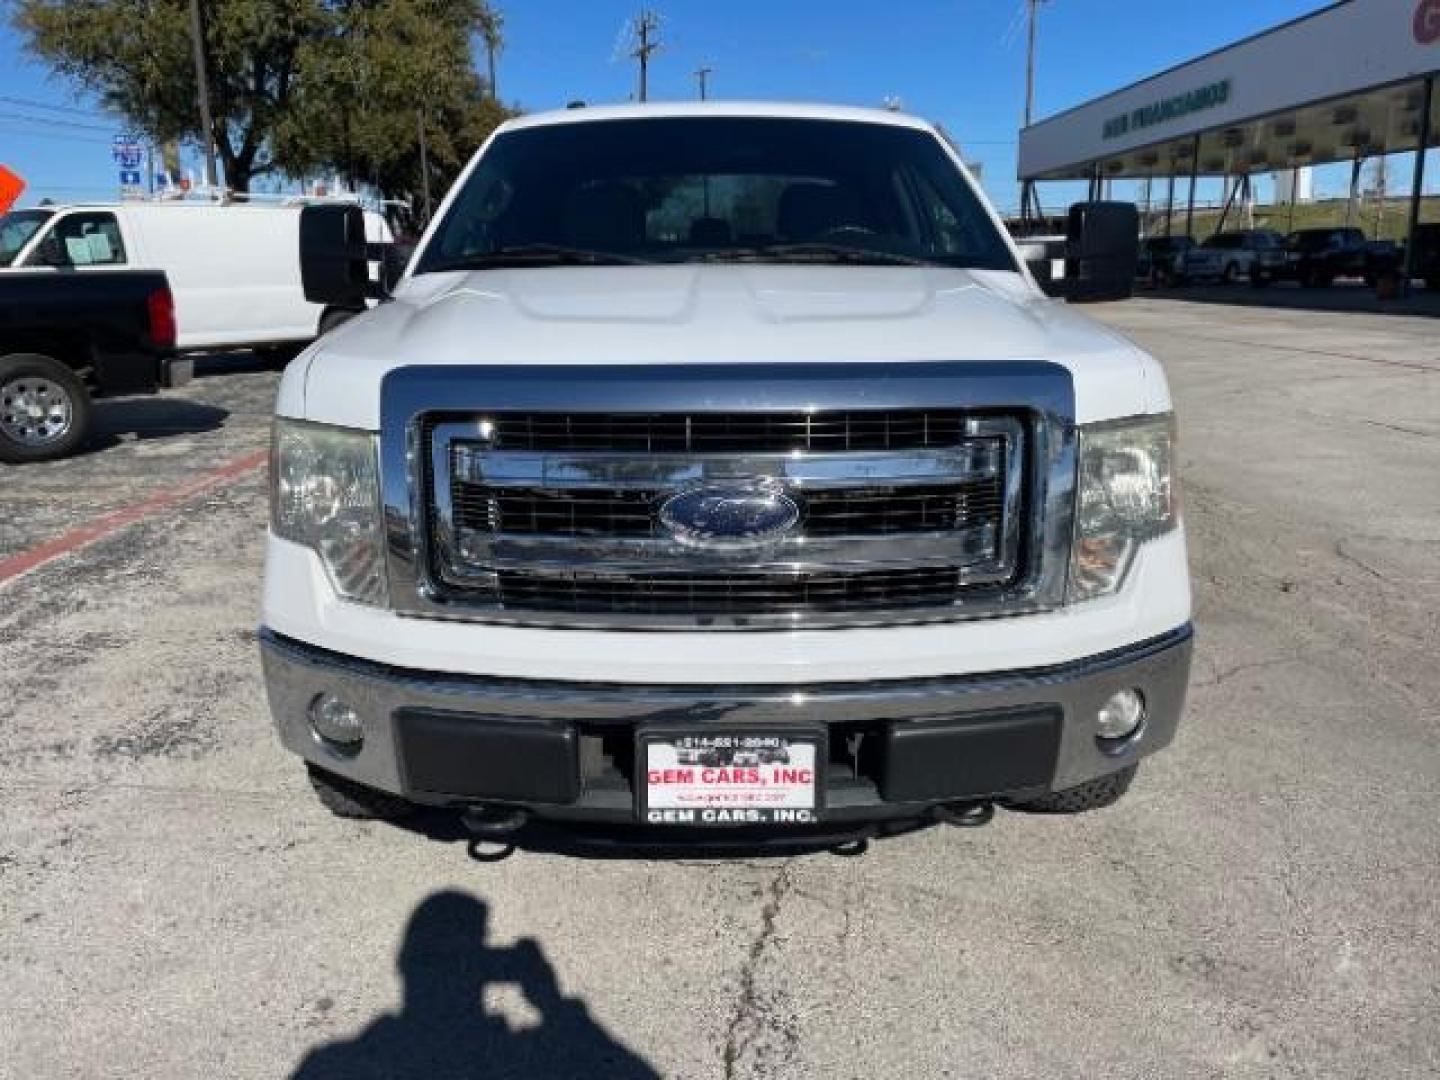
[24, 438]
[277, 356]
[347, 799]
[1094, 794]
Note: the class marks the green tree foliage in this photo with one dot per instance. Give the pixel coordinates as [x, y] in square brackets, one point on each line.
[297, 86]
[383, 69]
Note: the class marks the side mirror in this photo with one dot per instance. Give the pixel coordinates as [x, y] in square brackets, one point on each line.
[393, 257]
[334, 266]
[1102, 251]
[1045, 259]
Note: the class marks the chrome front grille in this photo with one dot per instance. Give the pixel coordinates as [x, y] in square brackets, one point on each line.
[947, 496]
[575, 528]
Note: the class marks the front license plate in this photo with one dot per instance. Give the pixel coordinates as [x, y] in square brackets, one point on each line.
[754, 779]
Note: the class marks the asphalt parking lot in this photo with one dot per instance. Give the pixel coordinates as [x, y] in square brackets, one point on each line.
[1265, 903]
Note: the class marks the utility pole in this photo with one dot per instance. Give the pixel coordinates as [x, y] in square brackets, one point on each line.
[1027, 190]
[207, 132]
[645, 32]
[1033, 13]
[702, 75]
[424, 164]
[1382, 189]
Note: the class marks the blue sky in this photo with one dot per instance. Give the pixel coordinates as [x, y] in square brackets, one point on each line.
[958, 62]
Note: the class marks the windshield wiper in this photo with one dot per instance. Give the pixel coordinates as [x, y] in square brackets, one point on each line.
[818, 252]
[534, 255]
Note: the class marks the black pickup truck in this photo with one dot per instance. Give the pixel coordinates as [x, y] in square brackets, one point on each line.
[68, 336]
[1316, 257]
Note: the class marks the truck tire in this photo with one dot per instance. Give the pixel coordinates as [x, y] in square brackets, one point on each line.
[1094, 794]
[277, 356]
[347, 799]
[45, 410]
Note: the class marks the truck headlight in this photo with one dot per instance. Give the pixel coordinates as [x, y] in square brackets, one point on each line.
[325, 494]
[1126, 495]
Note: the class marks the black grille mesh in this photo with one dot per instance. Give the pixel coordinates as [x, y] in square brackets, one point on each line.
[745, 433]
[729, 594]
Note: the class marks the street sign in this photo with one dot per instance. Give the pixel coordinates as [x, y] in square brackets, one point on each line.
[127, 151]
[10, 188]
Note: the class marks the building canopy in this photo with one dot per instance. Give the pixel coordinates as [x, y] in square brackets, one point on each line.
[1345, 82]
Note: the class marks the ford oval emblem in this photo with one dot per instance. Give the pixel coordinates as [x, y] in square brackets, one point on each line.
[730, 515]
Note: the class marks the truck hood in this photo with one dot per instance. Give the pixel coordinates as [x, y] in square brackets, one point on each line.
[714, 314]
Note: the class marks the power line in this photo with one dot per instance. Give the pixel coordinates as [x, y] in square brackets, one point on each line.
[32, 104]
[50, 121]
[94, 141]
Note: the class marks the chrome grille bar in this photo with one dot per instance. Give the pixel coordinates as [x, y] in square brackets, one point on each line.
[974, 459]
[969, 551]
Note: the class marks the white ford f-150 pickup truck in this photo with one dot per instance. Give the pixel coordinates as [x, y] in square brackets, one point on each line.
[719, 465]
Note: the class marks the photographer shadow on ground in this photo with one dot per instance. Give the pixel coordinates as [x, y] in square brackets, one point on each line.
[442, 1031]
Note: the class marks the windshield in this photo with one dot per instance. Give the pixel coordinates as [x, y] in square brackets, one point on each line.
[16, 229]
[714, 189]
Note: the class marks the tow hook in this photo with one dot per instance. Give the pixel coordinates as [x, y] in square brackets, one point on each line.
[965, 815]
[489, 828]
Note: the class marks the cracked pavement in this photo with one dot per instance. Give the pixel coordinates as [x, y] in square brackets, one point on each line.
[1263, 904]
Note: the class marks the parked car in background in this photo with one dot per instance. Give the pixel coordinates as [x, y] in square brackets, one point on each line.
[1316, 257]
[1160, 258]
[1256, 254]
[234, 269]
[1383, 257]
[1427, 254]
[67, 338]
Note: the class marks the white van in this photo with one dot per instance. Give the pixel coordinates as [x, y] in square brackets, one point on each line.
[234, 269]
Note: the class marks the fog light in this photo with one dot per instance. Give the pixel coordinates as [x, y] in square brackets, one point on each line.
[336, 722]
[1121, 716]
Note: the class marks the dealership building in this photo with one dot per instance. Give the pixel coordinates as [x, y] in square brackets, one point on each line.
[1354, 80]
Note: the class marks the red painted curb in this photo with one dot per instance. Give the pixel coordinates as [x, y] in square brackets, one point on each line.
[112, 523]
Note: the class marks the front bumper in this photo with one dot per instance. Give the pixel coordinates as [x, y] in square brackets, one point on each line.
[566, 750]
